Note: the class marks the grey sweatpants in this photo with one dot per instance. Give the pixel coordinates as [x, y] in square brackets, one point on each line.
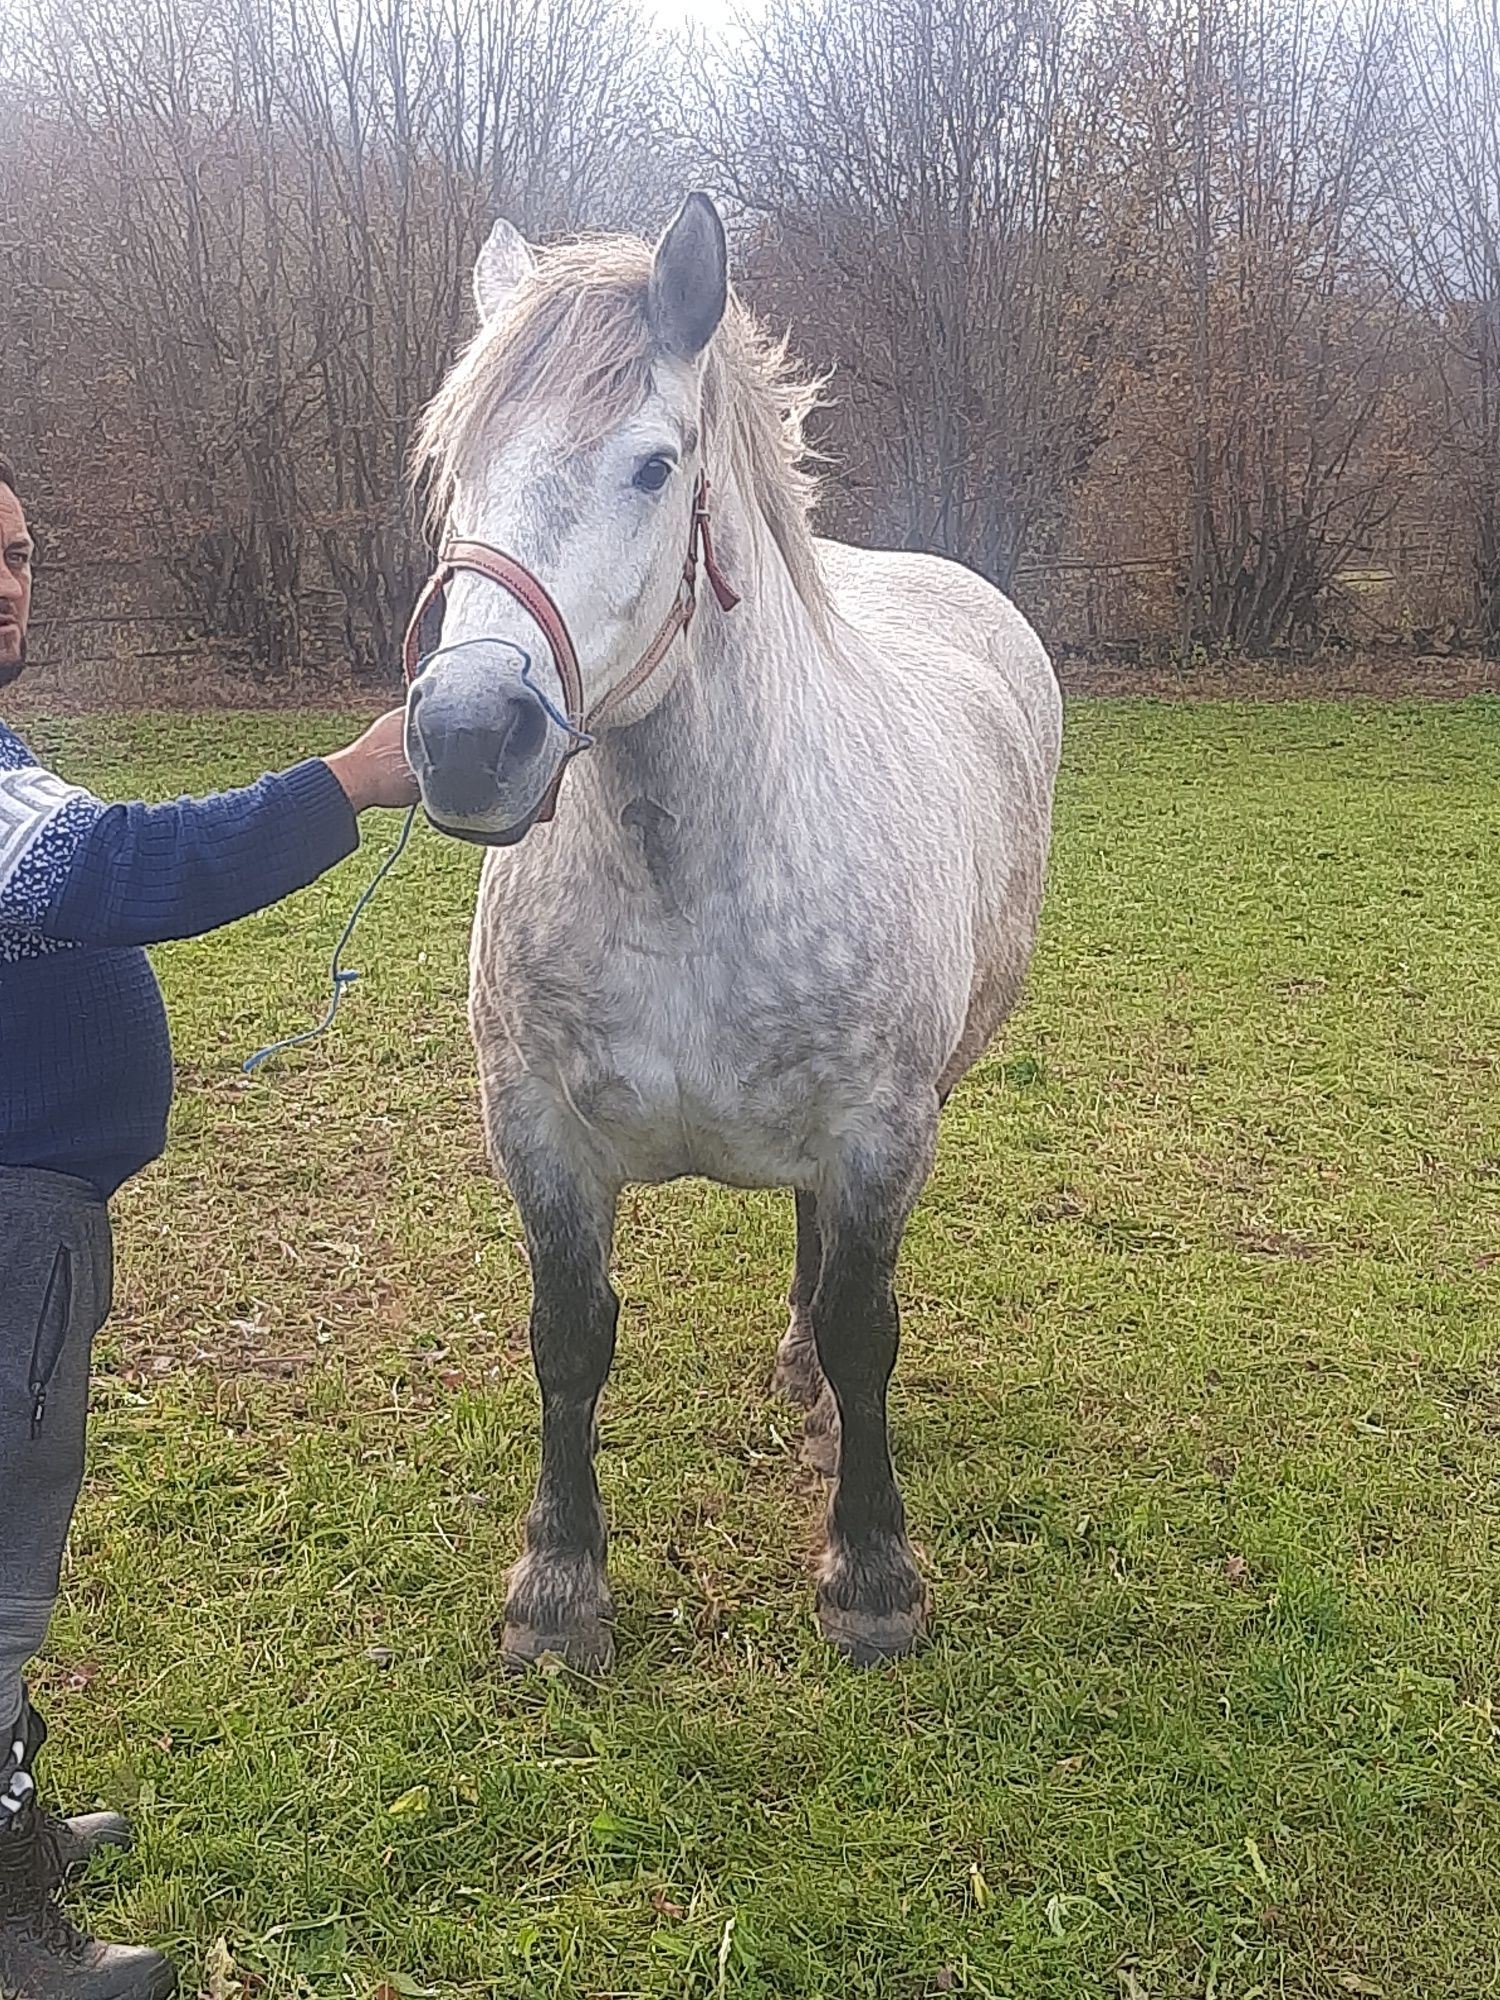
[56, 1279]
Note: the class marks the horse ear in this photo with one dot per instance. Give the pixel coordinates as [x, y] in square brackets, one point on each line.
[689, 279]
[503, 261]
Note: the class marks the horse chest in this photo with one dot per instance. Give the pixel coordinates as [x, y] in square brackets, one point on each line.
[707, 1069]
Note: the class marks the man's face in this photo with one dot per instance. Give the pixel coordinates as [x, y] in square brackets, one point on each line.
[15, 586]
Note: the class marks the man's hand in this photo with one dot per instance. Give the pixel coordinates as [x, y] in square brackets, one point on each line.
[373, 770]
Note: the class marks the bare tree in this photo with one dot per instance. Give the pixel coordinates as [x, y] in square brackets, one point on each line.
[924, 176]
[269, 214]
[1274, 136]
[1452, 217]
[1203, 290]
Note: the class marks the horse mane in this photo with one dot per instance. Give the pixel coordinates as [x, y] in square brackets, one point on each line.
[575, 339]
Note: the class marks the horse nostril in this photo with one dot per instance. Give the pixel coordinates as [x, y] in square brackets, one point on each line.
[525, 729]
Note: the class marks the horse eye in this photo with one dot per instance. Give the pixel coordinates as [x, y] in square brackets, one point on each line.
[654, 474]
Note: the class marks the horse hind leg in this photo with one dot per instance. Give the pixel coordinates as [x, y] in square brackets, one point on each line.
[558, 1600]
[799, 1374]
[872, 1603]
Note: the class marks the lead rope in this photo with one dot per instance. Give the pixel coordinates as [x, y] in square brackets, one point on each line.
[341, 977]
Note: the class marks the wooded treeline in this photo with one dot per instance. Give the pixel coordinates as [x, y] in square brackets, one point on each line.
[1178, 318]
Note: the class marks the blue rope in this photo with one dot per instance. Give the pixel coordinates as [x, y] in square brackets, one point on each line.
[578, 738]
[340, 977]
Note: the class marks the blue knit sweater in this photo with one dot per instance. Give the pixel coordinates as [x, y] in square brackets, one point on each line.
[85, 1063]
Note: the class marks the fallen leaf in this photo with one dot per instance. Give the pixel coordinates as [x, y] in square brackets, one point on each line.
[219, 1967]
[417, 1800]
[664, 1907]
[1236, 1570]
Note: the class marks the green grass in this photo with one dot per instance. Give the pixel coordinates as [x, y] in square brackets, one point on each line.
[1198, 1417]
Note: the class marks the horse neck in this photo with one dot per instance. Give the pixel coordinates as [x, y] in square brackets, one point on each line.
[726, 740]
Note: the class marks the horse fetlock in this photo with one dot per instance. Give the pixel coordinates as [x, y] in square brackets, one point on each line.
[875, 1574]
[559, 1606]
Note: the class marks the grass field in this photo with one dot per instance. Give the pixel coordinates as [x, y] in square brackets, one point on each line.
[1198, 1417]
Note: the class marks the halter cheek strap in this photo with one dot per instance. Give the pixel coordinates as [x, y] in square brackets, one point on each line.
[513, 577]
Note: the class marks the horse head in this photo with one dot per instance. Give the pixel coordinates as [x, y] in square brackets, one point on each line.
[566, 450]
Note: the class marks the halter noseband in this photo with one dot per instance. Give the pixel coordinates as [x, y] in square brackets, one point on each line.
[514, 577]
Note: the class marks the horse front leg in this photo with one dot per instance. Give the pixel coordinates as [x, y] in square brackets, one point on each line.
[558, 1600]
[872, 1603]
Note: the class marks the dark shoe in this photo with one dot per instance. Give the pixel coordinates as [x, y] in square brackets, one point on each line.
[43, 1955]
[76, 1841]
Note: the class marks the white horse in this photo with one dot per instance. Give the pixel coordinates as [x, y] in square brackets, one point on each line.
[788, 894]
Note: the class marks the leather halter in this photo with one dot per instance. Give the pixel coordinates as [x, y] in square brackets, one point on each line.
[528, 591]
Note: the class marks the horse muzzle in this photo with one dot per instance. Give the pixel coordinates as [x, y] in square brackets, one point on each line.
[483, 742]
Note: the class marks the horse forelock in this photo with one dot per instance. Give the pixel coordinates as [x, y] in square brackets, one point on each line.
[575, 344]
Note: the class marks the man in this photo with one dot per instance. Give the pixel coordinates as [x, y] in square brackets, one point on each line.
[85, 1085]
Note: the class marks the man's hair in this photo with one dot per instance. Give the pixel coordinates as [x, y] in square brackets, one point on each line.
[8, 475]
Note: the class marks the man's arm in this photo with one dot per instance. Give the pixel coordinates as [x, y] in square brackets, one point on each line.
[88, 873]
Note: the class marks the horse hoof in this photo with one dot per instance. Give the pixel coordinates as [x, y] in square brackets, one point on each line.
[866, 1639]
[584, 1649]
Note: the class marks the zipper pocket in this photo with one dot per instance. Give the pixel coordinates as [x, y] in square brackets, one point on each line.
[51, 1334]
